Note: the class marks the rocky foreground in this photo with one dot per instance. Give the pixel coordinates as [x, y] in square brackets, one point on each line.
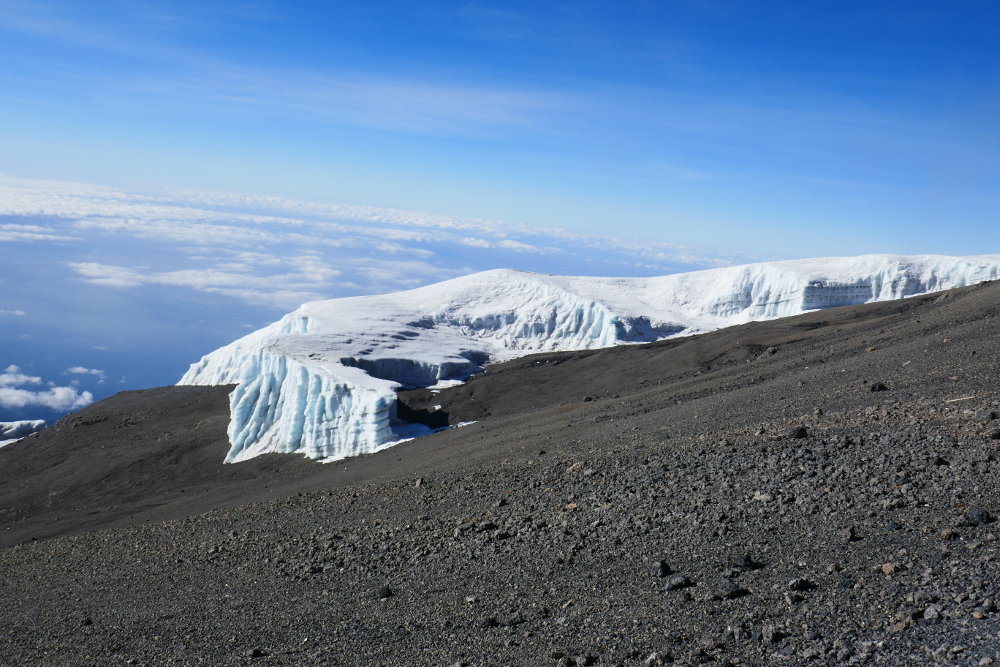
[815, 491]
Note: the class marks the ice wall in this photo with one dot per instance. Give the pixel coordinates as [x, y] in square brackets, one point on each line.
[321, 381]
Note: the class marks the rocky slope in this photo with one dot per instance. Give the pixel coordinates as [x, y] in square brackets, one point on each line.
[818, 490]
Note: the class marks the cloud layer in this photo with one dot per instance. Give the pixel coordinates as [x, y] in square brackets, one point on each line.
[277, 253]
[14, 394]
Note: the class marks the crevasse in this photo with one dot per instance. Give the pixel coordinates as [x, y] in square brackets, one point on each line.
[321, 381]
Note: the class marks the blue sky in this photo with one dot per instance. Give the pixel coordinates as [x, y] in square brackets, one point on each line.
[173, 175]
[785, 127]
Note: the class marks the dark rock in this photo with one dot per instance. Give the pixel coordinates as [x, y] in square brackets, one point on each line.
[878, 386]
[729, 591]
[257, 653]
[383, 593]
[798, 432]
[658, 659]
[488, 622]
[801, 584]
[978, 516]
[662, 569]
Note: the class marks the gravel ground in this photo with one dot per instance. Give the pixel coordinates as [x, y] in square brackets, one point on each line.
[815, 491]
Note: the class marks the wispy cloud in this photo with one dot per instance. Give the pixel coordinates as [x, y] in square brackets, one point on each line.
[83, 370]
[14, 232]
[370, 99]
[278, 290]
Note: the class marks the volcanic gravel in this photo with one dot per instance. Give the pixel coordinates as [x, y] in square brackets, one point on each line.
[821, 490]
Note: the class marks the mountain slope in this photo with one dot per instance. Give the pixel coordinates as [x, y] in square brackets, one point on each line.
[322, 380]
[740, 496]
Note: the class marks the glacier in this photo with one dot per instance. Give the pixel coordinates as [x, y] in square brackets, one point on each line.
[11, 432]
[322, 380]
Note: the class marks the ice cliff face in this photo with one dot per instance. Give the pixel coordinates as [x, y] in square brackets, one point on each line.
[321, 381]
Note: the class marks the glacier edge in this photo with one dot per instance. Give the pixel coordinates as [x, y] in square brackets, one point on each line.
[322, 380]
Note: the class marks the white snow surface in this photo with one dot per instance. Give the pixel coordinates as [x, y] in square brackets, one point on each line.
[321, 381]
[11, 432]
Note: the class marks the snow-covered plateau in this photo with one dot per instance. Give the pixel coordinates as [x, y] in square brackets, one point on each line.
[322, 380]
[11, 432]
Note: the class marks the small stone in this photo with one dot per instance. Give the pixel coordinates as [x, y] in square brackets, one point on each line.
[801, 584]
[662, 569]
[772, 635]
[949, 534]
[677, 582]
[878, 386]
[762, 496]
[488, 622]
[933, 612]
[729, 591]
[978, 516]
[798, 432]
[383, 593]
[658, 659]
[257, 653]
[849, 535]
[889, 568]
